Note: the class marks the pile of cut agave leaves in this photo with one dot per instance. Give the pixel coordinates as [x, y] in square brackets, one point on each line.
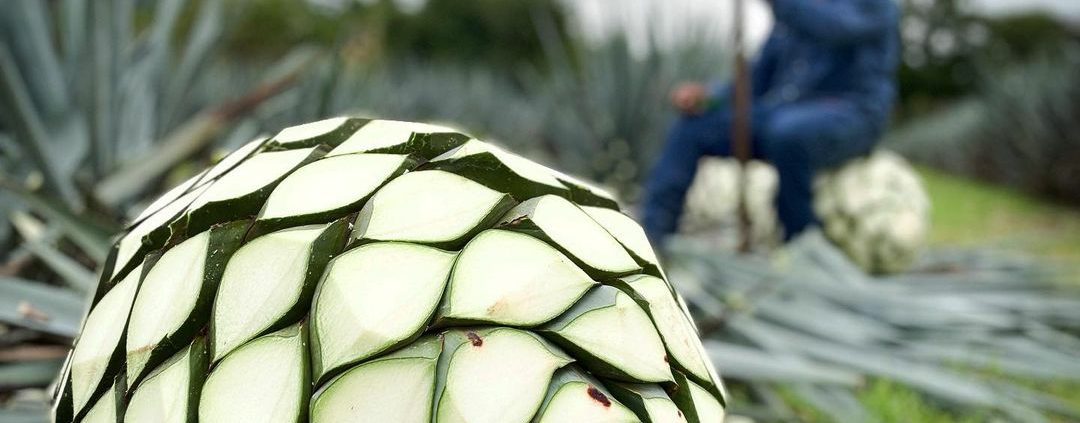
[972, 331]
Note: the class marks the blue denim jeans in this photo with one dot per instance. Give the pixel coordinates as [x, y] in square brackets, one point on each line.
[798, 138]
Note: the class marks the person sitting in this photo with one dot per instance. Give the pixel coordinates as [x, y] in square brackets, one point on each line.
[822, 92]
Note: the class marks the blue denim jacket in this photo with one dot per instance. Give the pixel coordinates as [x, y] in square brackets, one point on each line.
[821, 49]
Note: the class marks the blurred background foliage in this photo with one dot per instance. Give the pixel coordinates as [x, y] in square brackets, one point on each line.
[1021, 128]
[947, 49]
[496, 33]
[104, 104]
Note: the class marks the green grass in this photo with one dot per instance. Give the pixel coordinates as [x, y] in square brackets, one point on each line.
[888, 402]
[892, 402]
[970, 213]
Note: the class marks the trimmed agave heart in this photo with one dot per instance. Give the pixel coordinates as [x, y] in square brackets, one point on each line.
[356, 270]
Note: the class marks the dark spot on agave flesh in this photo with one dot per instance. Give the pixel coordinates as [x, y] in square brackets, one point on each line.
[475, 339]
[599, 396]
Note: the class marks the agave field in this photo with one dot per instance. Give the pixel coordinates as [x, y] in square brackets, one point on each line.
[100, 116]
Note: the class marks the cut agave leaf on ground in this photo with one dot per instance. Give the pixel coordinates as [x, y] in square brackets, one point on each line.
[97, 355]
[265, 380]
[329, 132]
[240, 193]
[328, 188]
[175, 297]
[586, 194]
[151, 233]
[573, 396]
[29, 373]
[481, 368]
[268, 283]
[751, 363]
[41, 242]
[374, 298]
[649, 401]
[510, 278]
[171, 392]
[430, 207]
[398, 387]
[40, 307]
[629, 234]
[571, 230]
[87, 233]
[655, 297]
[500, 170]
[396, 137]
[696, 403]
[109, 407]
[612, 336]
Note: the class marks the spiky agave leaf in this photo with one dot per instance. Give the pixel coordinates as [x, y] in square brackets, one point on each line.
[98, 109]
[455, 295]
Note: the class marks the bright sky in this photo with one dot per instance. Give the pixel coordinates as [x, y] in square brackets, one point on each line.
[1068, 10]
[670, 19]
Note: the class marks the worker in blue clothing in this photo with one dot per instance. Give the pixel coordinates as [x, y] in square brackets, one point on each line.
[822, 88]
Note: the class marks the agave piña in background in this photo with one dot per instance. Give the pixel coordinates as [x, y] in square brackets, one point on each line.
[356, 270]
[874, 208]
[712, 203]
